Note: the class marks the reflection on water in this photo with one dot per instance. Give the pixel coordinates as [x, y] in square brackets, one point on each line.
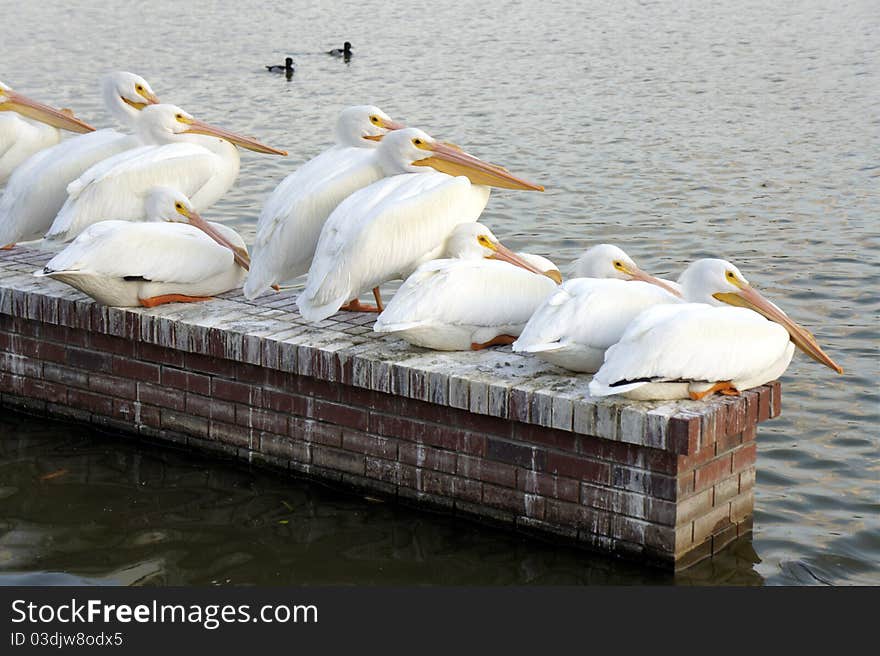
[746, 130]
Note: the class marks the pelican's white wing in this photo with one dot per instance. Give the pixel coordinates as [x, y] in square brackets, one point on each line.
[383, 232]
[10, 128]
[472, 292]
[116, 188]
[37, 188]
[161, 252]
[291, 220]
[690, 342]
[590, 312]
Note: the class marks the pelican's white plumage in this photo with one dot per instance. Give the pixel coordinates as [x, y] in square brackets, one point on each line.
[181, 155]
[27, 127]
[291, 219]
[122, 264]
[37, 189]
[465, 299]
[386, 230]
[692, 349]
[574, 326]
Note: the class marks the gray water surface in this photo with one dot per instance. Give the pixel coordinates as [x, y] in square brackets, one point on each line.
[747, 131]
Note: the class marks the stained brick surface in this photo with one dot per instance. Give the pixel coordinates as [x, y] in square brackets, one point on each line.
[488, 435]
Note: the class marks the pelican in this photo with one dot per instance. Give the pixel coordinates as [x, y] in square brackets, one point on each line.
[38, 187]
[293, 215]
[196, 158]
[694, 349]
[384, 231]
[481, 295]
[175, 257]
[27, 126]
[574, 326]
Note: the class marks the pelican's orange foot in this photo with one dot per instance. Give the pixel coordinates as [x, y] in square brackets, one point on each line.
[725, 388]
[378, 296]
[277, 288]
[8, 247]
[153, 301]
[501, 340]
[356, 306]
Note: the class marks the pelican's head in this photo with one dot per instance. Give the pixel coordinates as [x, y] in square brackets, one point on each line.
[718, 282]
[167, 123]
[125, 94]
[410, 150]
[172, 205]
[363, 126]
[12, 101]
[474, 240]
[609, 261]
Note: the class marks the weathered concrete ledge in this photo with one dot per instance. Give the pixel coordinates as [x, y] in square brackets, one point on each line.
[488, 435]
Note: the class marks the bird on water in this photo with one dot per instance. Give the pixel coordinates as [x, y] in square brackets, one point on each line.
[286, 68]
[344, 51]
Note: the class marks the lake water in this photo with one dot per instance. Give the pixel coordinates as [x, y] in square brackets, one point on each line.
[748, 131]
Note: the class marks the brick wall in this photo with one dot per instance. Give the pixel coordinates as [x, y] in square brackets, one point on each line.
[621, 498]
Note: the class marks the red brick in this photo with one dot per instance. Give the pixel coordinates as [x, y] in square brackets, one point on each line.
[382, 447]
[250, 373]
[343, 415]
[745, 457]
[504, 498]
[45, 390]
[580, 516]
[111, 344]
[712, 472]
[161, 396]
[776, 397]
[239, 436]
[337, 459]
[288, 403]
[750, 433]
[434, 482]
[751, 397]
[95, 403]
[513, 453]
[203, 363]
[652, 484]
[697, 458]
[113, 386]
[728, 443]
[683, 434]
[685, 483]
[161, 354]
[186, 381]
[231, 390]
[578, 467]
[694, 506]
[200, 405]
[428, 457]
[555, 487]
[530, 433]
[283, 446]
[264, 420]
[91, 360]
[318, 432]
[486, 470]
[181, 422]
[763, 403]
[135, 369]
[391, 472]
[714, 521]
[736, 416]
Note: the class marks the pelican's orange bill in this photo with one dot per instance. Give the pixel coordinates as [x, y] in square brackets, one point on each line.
[200, 127]
[58, 118]
[450, 159]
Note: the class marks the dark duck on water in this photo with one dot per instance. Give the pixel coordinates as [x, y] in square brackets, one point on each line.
[344, 51]
[278, 68]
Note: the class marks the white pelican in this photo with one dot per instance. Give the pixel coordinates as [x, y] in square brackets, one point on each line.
[176, 257]
[27, 126]
[198, 159]
[384, 231]
[574, 326]
[481, 295]
[694, 349]
[293, 215]
[38, 187]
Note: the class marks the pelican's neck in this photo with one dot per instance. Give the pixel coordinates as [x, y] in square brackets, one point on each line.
[124, 114]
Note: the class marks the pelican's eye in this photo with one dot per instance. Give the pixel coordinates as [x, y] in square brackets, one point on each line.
[619, 265]
[180, 118]
[483, 240]
[374, 119]
[139, 88]
[178, 205]
[731, 276]
[417, 141]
